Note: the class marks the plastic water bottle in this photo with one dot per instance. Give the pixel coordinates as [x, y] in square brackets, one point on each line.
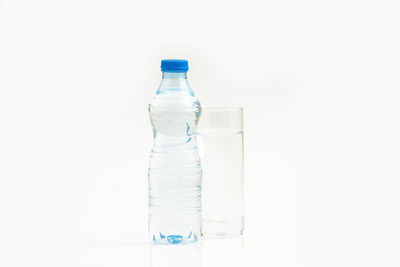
[175, 171]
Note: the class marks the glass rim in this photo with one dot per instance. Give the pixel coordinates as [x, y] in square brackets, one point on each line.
[222, 108]
[221, 119]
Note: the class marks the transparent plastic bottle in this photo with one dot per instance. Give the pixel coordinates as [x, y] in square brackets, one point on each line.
[174, 171]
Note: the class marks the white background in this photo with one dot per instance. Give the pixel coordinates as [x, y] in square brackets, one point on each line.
[320, 84]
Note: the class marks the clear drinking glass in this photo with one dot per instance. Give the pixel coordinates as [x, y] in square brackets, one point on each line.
[220, 144]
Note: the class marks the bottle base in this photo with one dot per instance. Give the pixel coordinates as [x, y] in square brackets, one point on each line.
[174, 239]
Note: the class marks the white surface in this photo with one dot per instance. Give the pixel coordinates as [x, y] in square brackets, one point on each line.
[319, 81]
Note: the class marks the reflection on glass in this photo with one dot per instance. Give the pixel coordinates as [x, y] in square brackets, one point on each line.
[223, 252]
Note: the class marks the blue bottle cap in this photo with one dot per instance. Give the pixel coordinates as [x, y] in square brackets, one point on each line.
[174, 65]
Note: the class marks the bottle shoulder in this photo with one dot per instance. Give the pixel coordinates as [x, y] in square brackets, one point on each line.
[174, 99]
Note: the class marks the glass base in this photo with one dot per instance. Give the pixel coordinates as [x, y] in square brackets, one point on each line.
[222, 229]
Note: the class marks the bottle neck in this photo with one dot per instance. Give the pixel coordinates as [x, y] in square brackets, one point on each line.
[174, 81]
[174, 75]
